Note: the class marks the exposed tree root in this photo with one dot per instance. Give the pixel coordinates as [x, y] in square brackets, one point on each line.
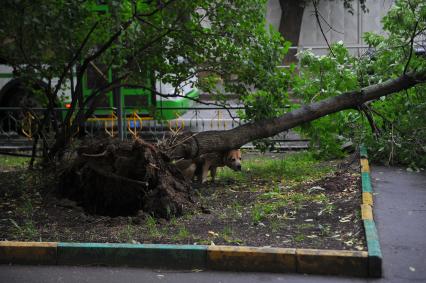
[120, 178]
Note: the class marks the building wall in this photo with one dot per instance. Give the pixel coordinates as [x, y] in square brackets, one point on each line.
[346, 27]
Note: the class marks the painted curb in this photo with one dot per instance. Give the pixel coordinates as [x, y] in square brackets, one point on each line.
[232, 258]
[251, 259]
[37, 253]
[375, 257]
[135, 255]
[332, 262]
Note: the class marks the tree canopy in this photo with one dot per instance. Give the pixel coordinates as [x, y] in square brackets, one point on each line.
[226, 41]
[170, 40]
[393, 126]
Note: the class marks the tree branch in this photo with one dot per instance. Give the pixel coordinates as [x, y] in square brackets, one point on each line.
[411, 47]
[73, 60]
[367, 112]
[314, 2]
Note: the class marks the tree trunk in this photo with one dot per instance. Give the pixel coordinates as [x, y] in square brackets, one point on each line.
[290, 25]
[212, 141]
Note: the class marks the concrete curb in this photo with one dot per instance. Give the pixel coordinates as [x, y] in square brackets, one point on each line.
[373, 245]
[232, 258]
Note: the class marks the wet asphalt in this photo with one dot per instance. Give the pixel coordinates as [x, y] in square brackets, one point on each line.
[400, 215]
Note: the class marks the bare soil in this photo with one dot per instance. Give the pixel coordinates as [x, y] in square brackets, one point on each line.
[322, 214]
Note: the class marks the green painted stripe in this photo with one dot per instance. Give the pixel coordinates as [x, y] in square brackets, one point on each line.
[366, 182]
[374, 252]
[145, 255]
[133, 246]
[372, 238]
[363, 151]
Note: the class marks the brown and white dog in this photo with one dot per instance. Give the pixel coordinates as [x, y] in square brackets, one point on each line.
[201, 166]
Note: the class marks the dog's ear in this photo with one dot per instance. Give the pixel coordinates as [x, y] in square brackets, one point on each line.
[234, 155]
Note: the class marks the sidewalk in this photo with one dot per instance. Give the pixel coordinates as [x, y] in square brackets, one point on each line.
[400, 215]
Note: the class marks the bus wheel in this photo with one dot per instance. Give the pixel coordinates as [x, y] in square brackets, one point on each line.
[23, 102]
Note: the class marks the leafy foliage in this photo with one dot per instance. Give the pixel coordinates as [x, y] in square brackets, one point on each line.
[322, 77]
[219, 41]
[397, 133]
[176, 40]
[142, 41]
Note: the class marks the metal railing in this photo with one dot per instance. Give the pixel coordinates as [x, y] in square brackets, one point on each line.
[18, 125]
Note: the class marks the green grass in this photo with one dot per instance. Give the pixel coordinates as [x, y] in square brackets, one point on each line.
[13, 161]
[128, 232]
[182, 234]
[296, 167]
[275, 180]
[262, 210]
[151, 226]
[227, 235]
[269, 203]
[27, 230]
[299, 238]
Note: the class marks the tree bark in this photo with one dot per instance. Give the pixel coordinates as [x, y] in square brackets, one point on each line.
[213, 141]
[290, 25]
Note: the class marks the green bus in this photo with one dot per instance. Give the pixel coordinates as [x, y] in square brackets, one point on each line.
[134, 101]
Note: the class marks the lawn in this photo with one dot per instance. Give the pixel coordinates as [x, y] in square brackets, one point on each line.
[281, 200]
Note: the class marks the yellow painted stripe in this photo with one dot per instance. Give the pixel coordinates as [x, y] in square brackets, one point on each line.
[251, 258]
[350, 263]
[28, 252]
[28, 244]
[364, 165]
[367, 198]
[366, 212]
[331, 253]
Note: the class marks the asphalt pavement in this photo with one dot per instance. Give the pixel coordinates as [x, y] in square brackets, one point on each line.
[400, 215]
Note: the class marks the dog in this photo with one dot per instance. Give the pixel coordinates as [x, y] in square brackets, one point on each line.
[200, 166]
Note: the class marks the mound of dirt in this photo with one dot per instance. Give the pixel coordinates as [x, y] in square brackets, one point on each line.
[114, 178]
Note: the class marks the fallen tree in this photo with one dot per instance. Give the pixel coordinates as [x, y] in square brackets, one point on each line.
[171, 42]
[115, 178]
[224, 140]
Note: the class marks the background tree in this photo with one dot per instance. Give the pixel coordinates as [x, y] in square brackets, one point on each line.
[171, 41]
[393, 126]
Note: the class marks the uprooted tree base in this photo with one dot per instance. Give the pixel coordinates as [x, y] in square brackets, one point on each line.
[110, 177]
[119, 179]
